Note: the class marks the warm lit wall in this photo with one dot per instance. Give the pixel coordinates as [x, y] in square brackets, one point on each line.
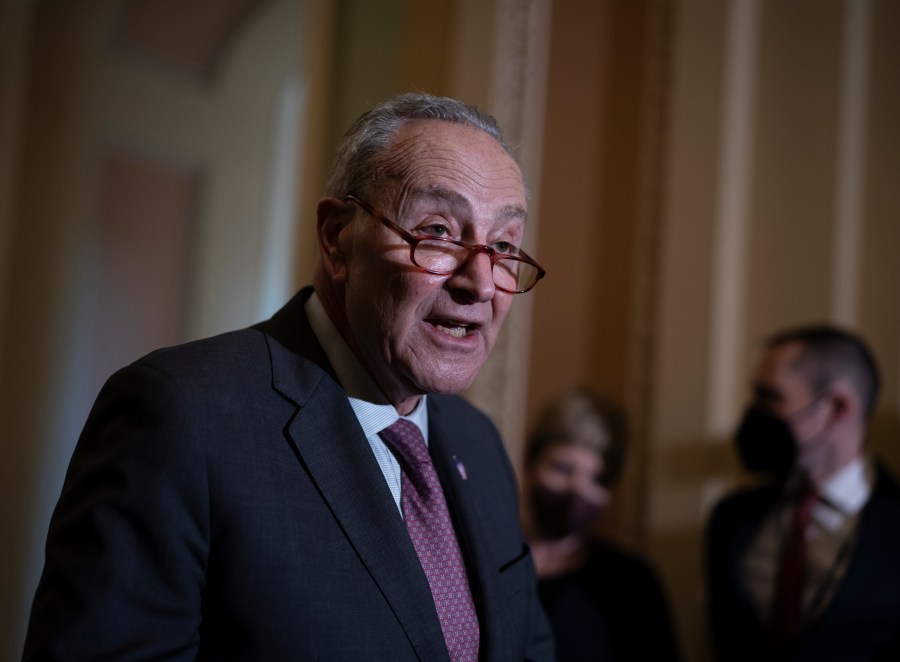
[598, 210]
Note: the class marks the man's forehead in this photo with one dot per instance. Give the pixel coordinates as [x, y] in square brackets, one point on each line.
[778, 370]
[429, 143]
[784, 358]
[455, 168]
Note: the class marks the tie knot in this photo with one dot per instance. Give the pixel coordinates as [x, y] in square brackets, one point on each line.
[803, 499]
[407, 440]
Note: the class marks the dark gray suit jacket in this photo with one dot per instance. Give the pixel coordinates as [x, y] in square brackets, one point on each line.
[223, 503]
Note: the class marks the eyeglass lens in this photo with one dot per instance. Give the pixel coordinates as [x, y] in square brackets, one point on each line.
[445, 258]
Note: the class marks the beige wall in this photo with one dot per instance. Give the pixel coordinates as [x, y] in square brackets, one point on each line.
[701, 171]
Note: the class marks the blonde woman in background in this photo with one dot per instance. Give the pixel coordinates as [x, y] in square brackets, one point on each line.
[603, 602]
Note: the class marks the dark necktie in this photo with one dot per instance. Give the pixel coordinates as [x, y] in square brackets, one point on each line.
[787, 606]
[428, 522]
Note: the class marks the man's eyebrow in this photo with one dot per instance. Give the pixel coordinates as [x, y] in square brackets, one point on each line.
[460, 203]
[513, 211]
[452, 198]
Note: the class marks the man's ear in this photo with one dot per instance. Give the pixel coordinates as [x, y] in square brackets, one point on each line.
[844, 401]
[332, 217]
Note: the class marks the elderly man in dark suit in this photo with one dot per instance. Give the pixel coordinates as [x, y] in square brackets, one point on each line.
[311, 488]
[807, 565]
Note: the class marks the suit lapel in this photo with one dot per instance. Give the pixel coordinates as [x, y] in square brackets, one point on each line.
[873, 552]
[757, 509]
[330, 444]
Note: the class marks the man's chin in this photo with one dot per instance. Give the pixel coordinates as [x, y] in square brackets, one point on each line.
[447, 383]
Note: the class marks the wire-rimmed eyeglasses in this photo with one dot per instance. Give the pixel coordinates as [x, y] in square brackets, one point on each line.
[513, 273]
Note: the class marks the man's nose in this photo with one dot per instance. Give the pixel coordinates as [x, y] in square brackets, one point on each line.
[475, 277]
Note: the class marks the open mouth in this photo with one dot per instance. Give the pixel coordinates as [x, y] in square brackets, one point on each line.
[453, 329]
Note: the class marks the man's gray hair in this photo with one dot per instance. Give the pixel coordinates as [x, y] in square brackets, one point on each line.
[355, 167]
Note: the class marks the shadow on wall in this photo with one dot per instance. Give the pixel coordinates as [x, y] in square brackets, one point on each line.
[884, 438]
[679, 560]
[677, 543]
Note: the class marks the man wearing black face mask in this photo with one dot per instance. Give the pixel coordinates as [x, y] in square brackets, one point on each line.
[807, 565]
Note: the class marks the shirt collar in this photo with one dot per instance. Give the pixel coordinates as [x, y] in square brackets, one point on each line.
[849, 487]
[369, 403]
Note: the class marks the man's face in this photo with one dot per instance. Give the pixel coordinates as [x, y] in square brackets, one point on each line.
[417, 332]
[782, 390]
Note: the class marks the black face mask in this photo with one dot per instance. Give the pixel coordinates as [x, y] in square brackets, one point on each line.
[766, 443]
[560, 514]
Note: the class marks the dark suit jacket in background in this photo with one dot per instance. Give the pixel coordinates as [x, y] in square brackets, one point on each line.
[223, 503]
[861, 623]
[613, 609]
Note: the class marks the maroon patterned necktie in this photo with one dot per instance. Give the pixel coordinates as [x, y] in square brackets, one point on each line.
[428, 522]
[787, 605]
